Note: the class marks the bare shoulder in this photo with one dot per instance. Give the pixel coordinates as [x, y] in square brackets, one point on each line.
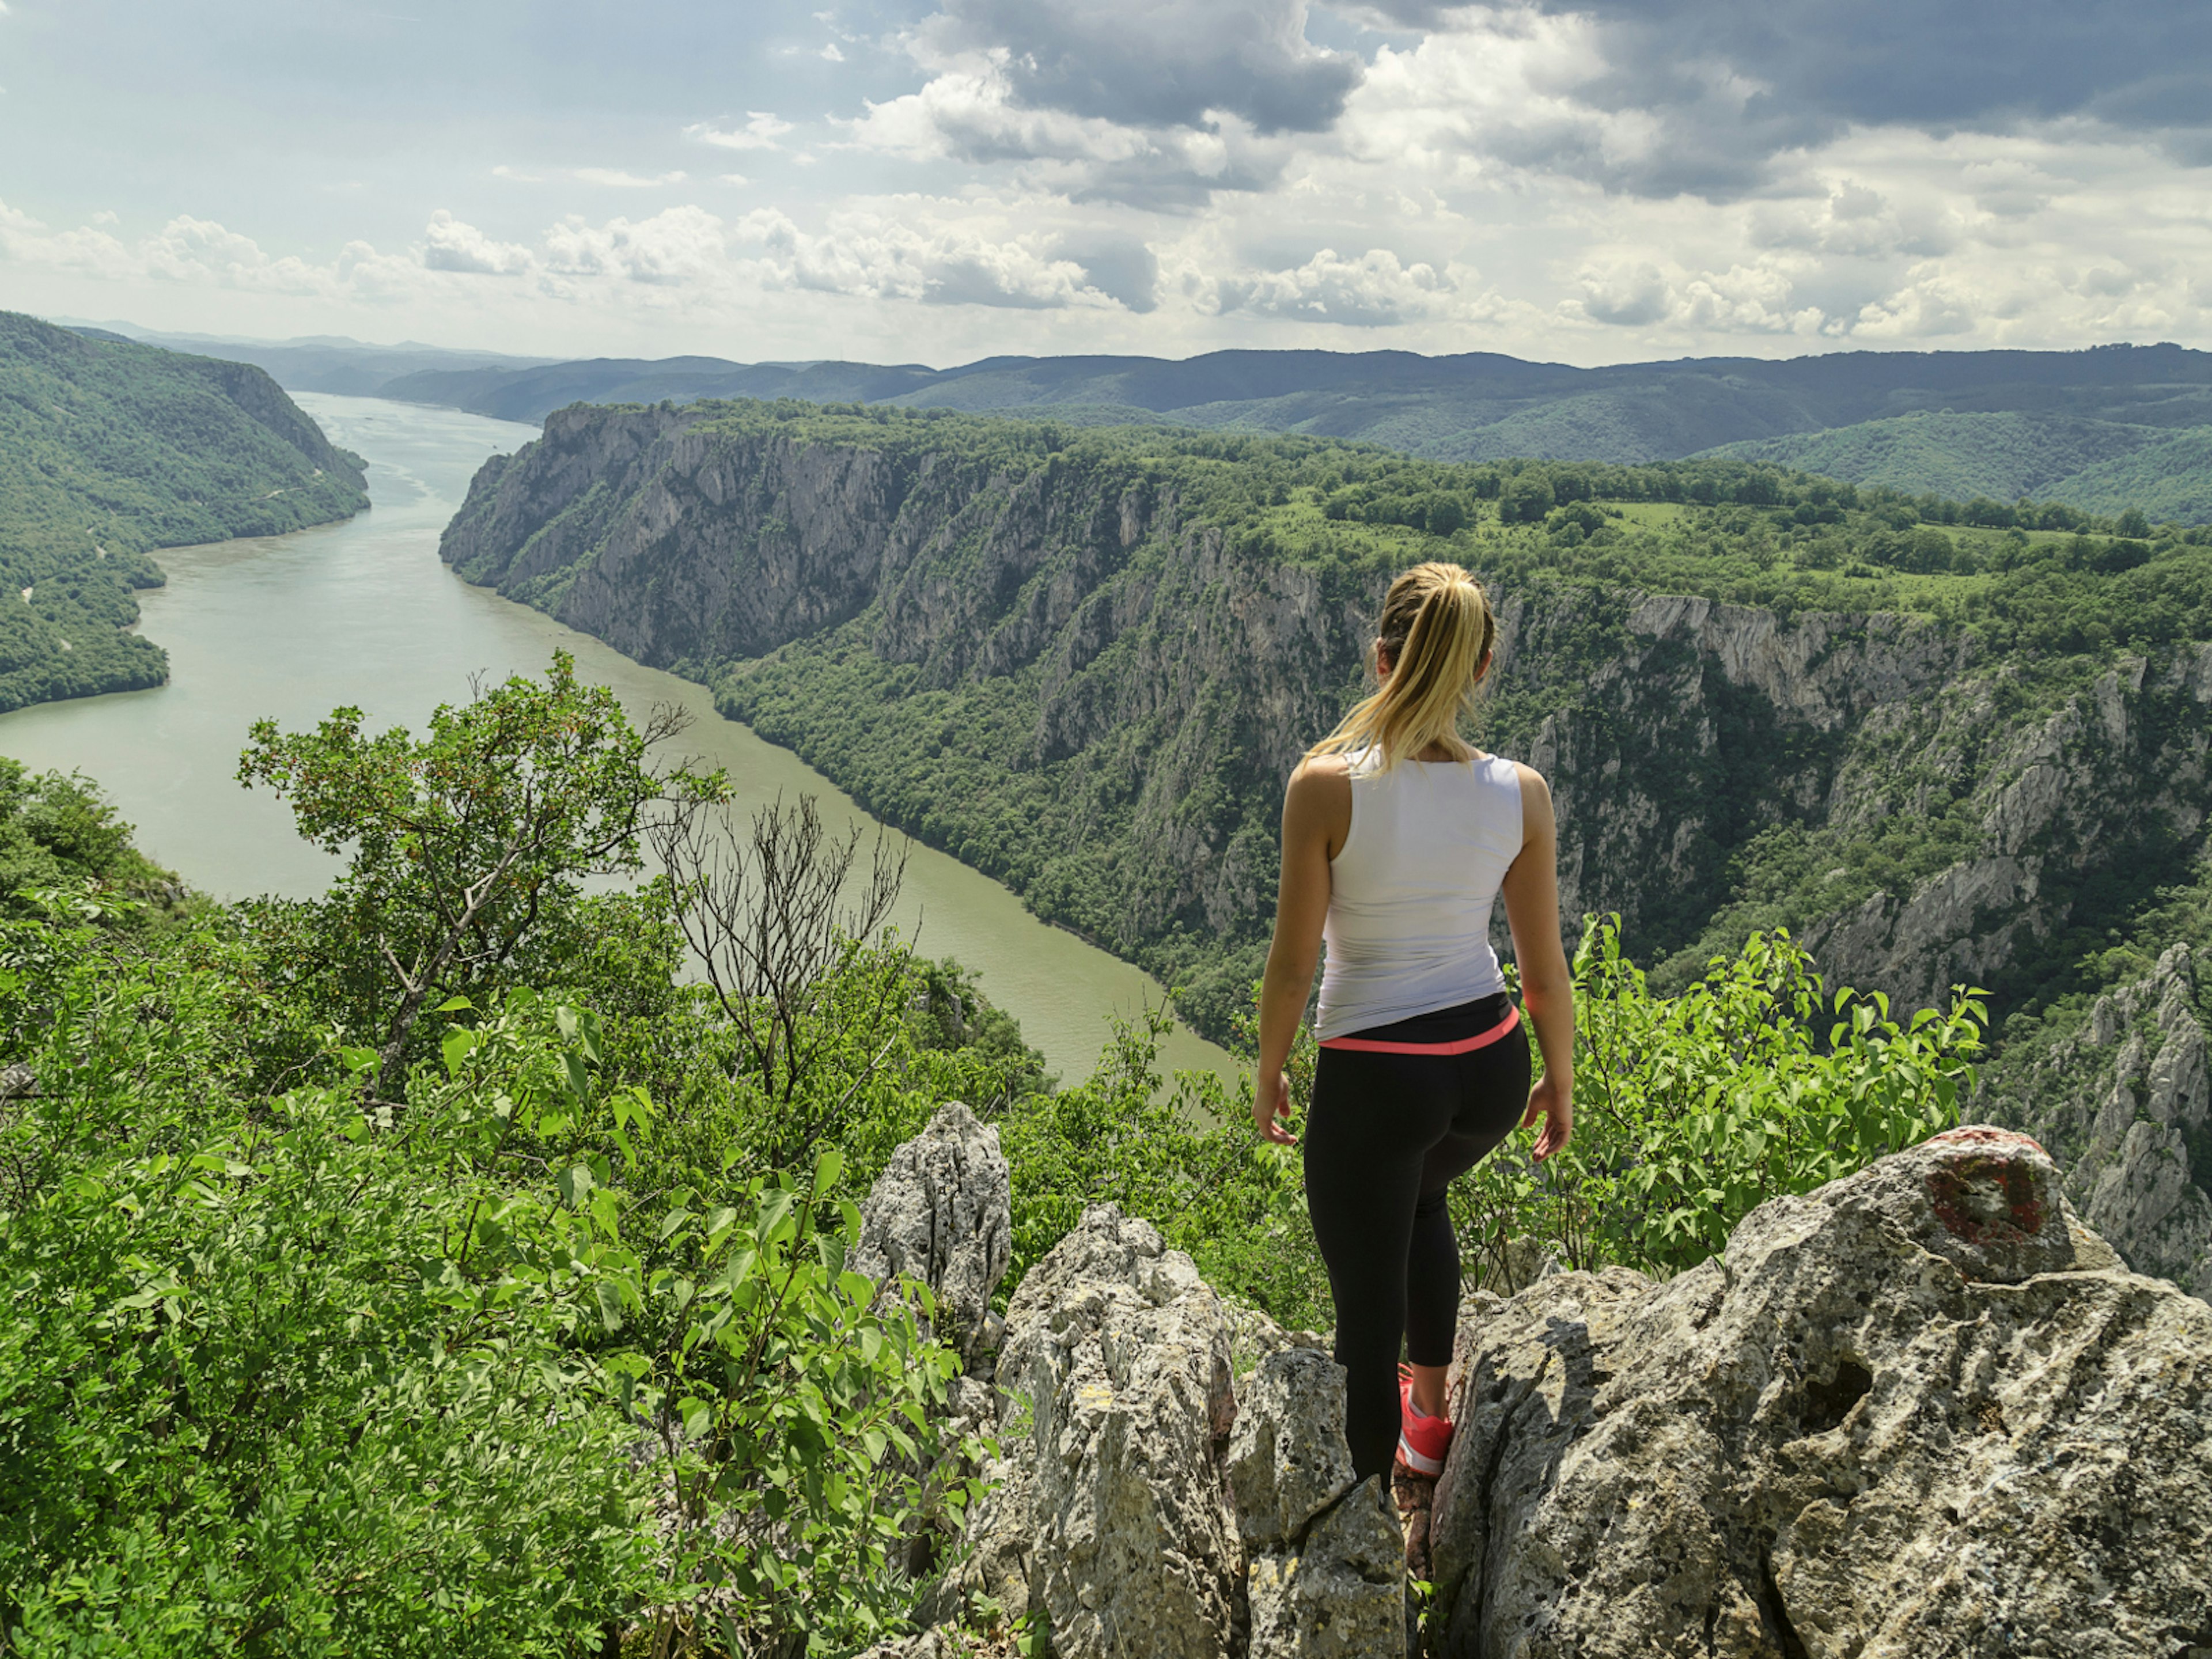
[1317, 806]
[1321, 777]
[1535, 798]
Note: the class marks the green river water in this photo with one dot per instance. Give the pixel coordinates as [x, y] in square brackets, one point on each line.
[364, 613]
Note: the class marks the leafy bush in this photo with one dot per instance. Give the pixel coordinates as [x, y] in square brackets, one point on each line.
[1692, 1110]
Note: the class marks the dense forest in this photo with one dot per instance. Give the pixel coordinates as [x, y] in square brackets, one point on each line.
[432, 1268]
[109, 449]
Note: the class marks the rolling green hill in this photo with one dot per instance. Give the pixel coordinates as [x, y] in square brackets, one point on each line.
[2002, 456]
[1997, 424]
[109, 449]
[2099, 466]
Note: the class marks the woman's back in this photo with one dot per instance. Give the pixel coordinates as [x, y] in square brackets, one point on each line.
[1411, 889]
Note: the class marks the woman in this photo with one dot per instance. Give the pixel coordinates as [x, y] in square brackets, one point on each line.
[1397, 837]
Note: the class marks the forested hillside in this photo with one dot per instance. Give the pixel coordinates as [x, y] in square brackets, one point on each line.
[109, 449]
[1083, 661]
[2104, 466]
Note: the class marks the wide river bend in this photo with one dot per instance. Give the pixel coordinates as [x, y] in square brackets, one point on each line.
[363, 613]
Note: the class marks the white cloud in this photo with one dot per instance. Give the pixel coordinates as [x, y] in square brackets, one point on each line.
[760, 131]
[616, 179]
[1370, 291]
[450, 244]
[969, 112]
[877, 256]
[830, 54]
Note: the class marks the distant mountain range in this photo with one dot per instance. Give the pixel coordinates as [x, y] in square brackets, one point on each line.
[2102, 429]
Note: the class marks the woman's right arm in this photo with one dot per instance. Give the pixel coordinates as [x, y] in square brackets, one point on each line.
[1316, 816]
[1531, 888]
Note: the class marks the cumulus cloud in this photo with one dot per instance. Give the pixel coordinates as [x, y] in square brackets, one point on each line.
[1156, 103]
[1370, 291]
[1713, 97]
[450, 244]
[875, 256]
[1156, 62]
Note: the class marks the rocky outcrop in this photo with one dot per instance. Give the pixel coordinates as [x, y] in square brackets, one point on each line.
[1920, 1411]
[1110, 1513]
[2124, 1102]
[942, 1213]
[1325, 1573]
[1924, 1410]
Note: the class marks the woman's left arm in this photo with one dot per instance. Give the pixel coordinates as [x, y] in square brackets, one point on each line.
[1316, 811]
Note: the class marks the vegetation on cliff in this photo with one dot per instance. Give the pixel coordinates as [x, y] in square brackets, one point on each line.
[1083, 660]
[109, 449]
[549, 1334]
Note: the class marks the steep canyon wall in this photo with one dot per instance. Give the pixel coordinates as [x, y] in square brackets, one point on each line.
[1060, 669]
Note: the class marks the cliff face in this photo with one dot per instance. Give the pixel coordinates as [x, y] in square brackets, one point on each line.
[1057, 671]
[2124, 1102]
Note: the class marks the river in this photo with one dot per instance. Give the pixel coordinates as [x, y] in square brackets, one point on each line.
[364, 613]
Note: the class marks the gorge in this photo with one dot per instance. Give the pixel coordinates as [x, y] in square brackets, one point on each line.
[1083, 662]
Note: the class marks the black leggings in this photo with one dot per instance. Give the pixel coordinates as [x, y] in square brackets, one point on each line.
[1385, 1135]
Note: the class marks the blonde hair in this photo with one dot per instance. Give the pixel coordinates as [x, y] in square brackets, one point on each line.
[1436, 629]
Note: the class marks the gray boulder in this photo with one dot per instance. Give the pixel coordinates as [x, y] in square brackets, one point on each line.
[1287, 1458]
[1326, 1578]
[1340, 1592]
[1920, 1411]
[942, 1213]
[1110, 1513]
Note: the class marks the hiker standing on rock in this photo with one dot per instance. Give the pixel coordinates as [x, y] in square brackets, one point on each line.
[1398, 837]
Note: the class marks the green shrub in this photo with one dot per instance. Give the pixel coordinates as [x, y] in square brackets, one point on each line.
[1692, 1110]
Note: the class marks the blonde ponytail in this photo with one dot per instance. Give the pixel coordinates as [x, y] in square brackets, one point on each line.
[1436, 629]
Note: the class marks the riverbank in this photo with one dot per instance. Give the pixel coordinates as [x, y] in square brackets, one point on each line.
[363, 613]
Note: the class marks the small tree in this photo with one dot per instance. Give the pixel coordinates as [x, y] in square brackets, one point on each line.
[467, 841]
[772, 908]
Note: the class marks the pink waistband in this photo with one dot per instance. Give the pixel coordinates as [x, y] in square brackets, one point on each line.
[1464, 1046]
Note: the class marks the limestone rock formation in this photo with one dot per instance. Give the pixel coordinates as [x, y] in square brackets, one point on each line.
[1341, 1594]
[1920, 1411]
[2124, 1101]
[1287, 1459]
[1327, 1574]
[942, 1213]
[1111, 1515]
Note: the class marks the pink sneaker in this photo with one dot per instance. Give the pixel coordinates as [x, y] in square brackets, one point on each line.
[1422, 1441]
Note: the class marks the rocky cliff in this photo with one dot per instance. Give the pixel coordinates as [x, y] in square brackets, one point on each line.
[1922, 1411]
[1077, 672]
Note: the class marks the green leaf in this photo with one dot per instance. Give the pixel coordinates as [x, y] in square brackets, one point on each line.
[575, 1184]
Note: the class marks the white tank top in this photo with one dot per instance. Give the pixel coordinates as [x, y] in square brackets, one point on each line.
[1411, 889]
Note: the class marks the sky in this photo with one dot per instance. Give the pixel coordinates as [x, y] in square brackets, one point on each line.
[939, 181]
